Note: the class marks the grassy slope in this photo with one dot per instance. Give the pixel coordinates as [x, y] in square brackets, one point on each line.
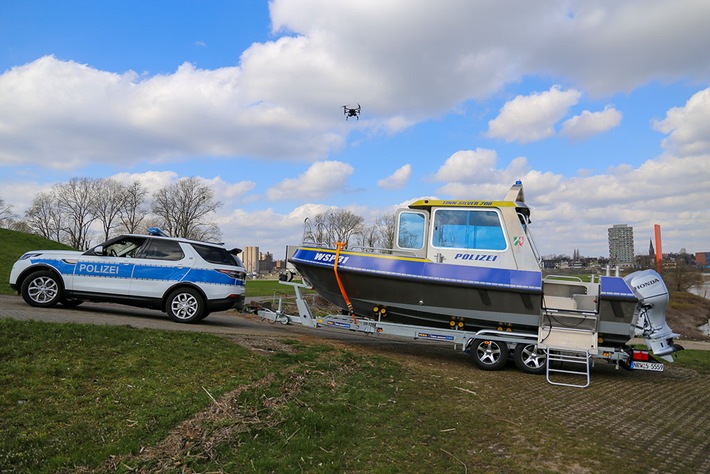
[118, 399]
[12, 245]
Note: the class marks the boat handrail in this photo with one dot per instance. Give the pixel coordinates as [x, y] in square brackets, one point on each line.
[533, 244]
[311, 238]
[384, 251]
[564, 277]
[308, 243]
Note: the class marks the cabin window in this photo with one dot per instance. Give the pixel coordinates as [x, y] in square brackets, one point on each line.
[468, 229]
[411, 230]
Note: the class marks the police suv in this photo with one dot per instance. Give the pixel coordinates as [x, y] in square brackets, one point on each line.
[188, 279]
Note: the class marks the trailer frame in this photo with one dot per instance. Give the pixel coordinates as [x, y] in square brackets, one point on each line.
[564, 348]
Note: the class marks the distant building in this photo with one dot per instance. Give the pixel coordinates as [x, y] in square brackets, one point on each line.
[250, 258]
[702, 259]
[621, 245]
[266, 262]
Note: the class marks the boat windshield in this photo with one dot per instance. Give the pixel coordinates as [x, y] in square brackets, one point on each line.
[468, 229]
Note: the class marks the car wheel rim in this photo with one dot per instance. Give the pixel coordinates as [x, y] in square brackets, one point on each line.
[42, 290]
[532, 357]
[185, 306]
[489, 353]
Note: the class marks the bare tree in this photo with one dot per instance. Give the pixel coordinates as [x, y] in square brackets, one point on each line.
[108, 203]
[184, 208]
[368, 237]
[337, 225]
[76, 202]
[682, 276]
[6, 215]
[385, 225]
[44, 217]
[135, 207]
[20, 226]
[315, 230]
[344, 225]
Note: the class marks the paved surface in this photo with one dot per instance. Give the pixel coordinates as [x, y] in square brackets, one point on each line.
[225, 322]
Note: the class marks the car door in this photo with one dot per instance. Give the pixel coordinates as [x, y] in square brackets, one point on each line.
[161, 264]
[108, 268]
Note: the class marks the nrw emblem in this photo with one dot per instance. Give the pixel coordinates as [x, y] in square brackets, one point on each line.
[518, 241]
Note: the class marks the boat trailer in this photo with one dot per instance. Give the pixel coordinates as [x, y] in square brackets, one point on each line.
[564, 348]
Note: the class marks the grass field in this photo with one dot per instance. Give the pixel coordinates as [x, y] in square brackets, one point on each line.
[94, 399]
[84, 398]
[12, 245]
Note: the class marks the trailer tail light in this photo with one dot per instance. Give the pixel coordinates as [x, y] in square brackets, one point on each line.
[641, 356]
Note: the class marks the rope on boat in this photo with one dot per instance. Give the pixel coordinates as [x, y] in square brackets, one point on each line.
[338, 246]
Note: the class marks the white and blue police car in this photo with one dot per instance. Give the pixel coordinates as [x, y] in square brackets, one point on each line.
[188, 279]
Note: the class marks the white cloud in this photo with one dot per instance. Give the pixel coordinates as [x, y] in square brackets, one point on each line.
[64, 115]
[475, 167]
[405, 62]
[533, 117]
[688, 127]
[398, 179]
[321, 179]
[229, 191]
[151, 180]
[588, 124]
[576, 212]
[567, 213]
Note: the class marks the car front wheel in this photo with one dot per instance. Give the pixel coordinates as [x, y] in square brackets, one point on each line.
[185, 305]
[42, 289]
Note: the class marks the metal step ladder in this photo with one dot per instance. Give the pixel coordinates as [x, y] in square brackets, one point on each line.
[569, 338]
[579, 362]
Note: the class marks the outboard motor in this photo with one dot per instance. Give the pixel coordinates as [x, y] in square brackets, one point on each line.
[653, 299]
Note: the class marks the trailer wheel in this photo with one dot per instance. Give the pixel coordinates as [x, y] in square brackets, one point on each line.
[489, 355]
[529, 359]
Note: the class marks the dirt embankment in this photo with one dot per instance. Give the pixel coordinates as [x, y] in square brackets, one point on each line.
[686, 312]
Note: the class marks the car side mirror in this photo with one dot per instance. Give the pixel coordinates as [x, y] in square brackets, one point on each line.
[99, 250]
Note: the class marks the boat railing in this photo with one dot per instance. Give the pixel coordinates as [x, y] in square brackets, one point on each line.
[383, 251]
[563, 277]
[531, 239]
[311, 237]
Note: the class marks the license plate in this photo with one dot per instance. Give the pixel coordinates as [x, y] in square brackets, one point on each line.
[655, 366]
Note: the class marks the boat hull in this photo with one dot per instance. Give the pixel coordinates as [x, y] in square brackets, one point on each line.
[420, 292]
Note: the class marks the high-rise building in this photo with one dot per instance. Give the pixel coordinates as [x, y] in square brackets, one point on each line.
[250, 257]
[621, 245]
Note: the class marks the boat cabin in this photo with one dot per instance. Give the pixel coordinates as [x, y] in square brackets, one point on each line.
[492, 234]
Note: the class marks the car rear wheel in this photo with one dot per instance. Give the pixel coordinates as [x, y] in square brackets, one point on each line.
[185, 305]
[42, 289]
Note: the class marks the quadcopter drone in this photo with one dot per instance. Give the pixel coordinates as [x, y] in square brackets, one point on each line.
[351, 112]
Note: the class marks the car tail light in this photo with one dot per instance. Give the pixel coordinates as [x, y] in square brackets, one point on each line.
[233, 274]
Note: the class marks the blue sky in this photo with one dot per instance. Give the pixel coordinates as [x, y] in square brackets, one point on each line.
[601, 108]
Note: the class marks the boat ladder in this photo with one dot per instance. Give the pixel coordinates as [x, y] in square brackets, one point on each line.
[569, 338]
[572, 363]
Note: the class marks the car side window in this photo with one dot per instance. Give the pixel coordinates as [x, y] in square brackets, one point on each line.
[125, 247]
[159, 249]
[216, 255]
